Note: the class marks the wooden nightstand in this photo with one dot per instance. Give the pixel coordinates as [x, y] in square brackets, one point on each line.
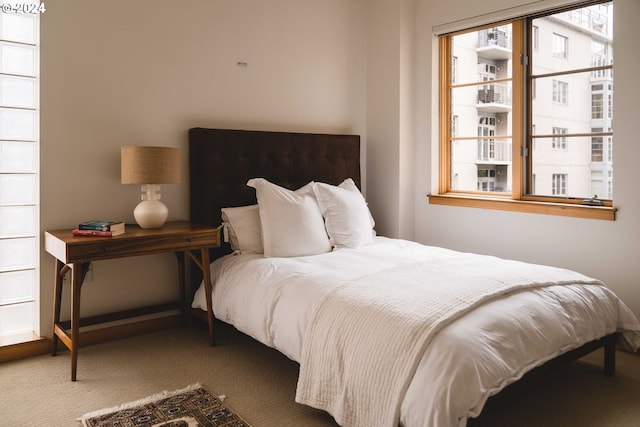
[75, 253]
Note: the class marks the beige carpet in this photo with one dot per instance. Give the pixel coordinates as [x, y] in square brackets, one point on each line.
[259, 384]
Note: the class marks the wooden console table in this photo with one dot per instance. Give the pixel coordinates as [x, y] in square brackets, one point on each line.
[75, 253]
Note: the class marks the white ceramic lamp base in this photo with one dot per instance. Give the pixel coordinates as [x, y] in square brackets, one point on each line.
[151, 214]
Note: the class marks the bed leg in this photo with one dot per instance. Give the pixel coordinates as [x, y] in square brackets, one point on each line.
[610, 355]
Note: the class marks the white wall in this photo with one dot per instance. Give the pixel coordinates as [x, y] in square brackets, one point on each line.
[390, 115]
[121, 72]
[608, 250]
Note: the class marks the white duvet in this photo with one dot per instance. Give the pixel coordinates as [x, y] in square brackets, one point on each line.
[273, 300]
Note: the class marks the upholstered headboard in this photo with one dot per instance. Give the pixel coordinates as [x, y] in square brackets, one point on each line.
[222, 161]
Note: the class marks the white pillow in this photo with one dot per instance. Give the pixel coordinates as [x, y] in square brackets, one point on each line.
[242, 229]
[346, 214]
[291, 222]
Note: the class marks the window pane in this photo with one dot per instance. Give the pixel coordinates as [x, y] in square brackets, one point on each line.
[17, 190]
[18, 28]
[573, 39]
[17, 124]
[16, 318]
[482, 55]
[574, 104]
[17, 92]
[17, 254]
[17, 286]
[582, 164]
[17, 221]
[17, 157]
[482, 164]
[17, 59]
[566, 102]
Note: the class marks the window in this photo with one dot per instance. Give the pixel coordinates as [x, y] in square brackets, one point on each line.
[486, 178]
[454, 69]
[597, 146]
[560, 90]
[596, 106]
[19, 254]
[511, 117]
[559, 142]
[559, 46]
[559, 184]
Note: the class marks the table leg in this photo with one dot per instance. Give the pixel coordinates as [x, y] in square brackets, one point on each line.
[79, 271]
[60, 270]
[206, 276]
[181, 285]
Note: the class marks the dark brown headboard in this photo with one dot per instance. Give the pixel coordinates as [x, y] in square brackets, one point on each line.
[222, 161]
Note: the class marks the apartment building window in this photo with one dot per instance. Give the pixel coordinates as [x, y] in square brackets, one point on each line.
[19, 147]
[486, 178]
[559, 184]
[527, 102]
[560, 46]
[560, 91]
[597, 101]
[597, 146]
[454, 69]
[559, 142]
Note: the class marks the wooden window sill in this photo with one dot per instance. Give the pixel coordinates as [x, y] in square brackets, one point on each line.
[524, 206]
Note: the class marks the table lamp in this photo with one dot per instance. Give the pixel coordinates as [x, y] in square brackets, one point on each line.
[150, 166]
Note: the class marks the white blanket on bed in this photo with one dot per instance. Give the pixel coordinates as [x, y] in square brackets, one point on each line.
[366, 339]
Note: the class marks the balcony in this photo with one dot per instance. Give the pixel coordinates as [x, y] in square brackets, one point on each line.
[494, 98]
[494, 151]
[494, 43]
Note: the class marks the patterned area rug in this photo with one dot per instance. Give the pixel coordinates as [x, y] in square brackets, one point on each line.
[189, 407]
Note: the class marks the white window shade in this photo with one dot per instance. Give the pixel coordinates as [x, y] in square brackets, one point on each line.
[17, 254]
[19, 191]
[17, 91]
[17, 124]
[13, 289]
[17, 221]
[16, 318]
[18, 28]
[17, 59]
[18, 157]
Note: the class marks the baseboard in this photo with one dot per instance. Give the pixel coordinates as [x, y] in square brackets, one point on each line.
[33, 347]
[43, 345]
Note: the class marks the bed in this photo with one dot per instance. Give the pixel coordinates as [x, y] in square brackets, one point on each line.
[354, 317]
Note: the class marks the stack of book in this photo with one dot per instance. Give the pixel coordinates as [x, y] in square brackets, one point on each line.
[99, 228]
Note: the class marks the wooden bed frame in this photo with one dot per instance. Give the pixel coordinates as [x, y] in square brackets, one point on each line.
[222, 161]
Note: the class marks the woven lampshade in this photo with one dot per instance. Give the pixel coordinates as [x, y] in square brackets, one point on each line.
[150, 165]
